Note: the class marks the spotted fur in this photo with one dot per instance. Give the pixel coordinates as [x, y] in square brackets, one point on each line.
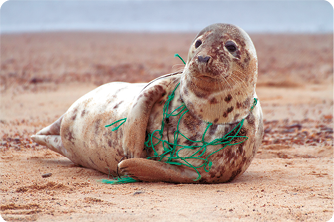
[219, 89]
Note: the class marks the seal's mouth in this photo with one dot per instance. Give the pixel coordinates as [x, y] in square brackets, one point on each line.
[206, 68]
[205, 77]
[208, 72]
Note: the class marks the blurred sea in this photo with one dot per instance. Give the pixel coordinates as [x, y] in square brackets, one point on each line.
[165, 16]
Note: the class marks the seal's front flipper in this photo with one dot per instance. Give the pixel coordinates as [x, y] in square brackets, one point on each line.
[139, 114]
[53, 142]
[155, 171]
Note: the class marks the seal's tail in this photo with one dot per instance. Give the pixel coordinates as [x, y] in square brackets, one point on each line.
[50, 137]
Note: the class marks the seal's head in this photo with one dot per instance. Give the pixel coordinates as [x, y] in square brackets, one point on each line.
[218, 82]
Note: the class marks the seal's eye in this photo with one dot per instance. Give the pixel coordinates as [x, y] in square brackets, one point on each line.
[231, 47]
[198, 43]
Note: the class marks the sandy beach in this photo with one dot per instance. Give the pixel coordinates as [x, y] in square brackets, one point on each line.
[42, 74]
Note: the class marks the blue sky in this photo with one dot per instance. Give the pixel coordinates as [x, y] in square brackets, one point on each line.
[155, 16]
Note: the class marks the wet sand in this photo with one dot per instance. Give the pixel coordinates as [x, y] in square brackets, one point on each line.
[42, 74]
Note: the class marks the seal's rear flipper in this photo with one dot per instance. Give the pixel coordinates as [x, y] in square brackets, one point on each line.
[155, 171]
[50, 137]
[53, 142]
[53, 129]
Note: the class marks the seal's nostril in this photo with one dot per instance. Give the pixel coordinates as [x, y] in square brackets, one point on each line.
[203, 59]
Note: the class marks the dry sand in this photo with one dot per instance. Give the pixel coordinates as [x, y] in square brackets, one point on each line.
[290, 179]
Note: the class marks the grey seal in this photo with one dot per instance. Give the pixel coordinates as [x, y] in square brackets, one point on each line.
[217, 89]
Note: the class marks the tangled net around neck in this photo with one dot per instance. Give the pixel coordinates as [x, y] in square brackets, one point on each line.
[171, 150]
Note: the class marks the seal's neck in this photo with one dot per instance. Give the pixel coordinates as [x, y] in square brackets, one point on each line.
[217, 102]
